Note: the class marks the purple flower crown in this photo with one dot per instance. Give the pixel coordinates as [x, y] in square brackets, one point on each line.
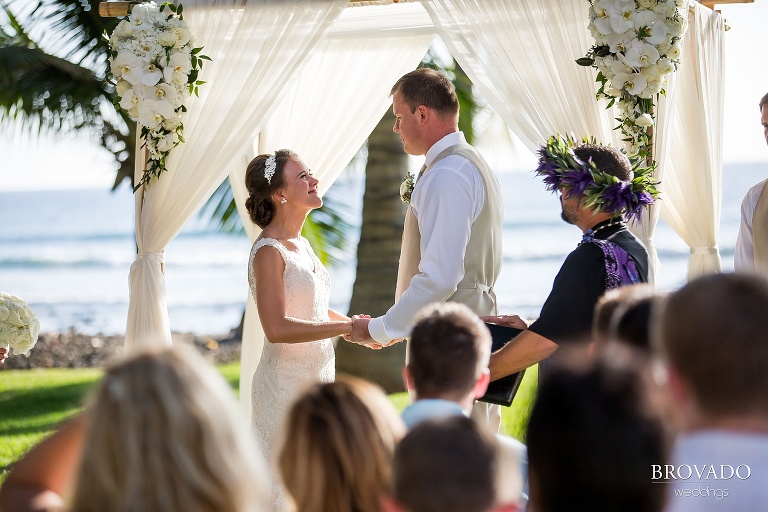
[562, 169]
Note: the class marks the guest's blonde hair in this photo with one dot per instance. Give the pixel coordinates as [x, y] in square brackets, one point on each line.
[163, 435]
[339, 442]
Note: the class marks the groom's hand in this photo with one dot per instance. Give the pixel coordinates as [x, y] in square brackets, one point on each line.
[360, 333]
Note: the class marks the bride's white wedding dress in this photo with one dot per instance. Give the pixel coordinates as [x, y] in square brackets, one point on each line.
[286, 368]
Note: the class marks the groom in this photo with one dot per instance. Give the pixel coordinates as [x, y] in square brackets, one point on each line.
[451, 248]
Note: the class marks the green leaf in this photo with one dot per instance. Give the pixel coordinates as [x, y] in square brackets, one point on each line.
[585, 61]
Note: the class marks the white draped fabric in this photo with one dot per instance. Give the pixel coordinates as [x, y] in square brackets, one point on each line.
[693, 181]
[520, 54]
[256, 47]
[330, 109]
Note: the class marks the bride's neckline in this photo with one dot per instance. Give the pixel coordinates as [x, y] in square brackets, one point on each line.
[298, 243]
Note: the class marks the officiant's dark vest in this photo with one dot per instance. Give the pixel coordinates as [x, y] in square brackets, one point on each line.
[760, 231]
[482, 261]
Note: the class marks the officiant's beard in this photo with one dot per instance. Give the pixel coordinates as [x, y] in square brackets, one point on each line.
[567, 216]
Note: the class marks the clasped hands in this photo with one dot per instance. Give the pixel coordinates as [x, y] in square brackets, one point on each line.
[362, 336]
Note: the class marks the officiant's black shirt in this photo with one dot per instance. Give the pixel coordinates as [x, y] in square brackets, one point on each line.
[568, 311]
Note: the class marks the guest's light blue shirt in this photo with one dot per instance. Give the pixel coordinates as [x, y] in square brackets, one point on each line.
[430, 409]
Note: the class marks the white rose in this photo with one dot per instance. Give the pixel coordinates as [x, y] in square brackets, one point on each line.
[13, 319]
[675, 52]
[171, 124]
[4, 312]
[23, 343]
[677, 25]
[665, 66]
[166, 39]
[645, 4]
[181, 35]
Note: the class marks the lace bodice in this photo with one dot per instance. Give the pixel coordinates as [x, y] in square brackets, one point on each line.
[286, 368]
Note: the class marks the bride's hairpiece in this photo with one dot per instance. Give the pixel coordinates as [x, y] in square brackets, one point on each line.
[269, 168]
[561, 168]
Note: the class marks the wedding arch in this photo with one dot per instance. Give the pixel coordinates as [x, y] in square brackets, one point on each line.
[314, 75]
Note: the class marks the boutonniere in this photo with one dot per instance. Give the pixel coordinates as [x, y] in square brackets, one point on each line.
[406, 188]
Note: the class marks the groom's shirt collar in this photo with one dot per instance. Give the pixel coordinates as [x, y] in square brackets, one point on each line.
[438, 147]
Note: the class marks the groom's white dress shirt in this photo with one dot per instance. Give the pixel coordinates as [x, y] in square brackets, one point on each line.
[445, 201]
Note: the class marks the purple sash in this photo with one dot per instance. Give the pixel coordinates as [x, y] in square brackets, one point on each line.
[620, 269]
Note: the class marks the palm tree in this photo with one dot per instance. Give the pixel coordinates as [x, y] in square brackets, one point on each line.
[53, 69]
[378, 252]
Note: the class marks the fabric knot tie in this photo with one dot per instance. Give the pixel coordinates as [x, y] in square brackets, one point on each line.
[712, 249]
[151, 256]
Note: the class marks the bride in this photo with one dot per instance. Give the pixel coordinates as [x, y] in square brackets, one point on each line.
[291, 288]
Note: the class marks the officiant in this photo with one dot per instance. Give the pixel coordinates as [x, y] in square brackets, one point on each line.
[598, 193]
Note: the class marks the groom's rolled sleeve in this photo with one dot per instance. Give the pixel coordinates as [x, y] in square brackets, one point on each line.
[445, 206]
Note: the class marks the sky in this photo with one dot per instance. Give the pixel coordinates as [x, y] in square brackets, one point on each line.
[66, 161]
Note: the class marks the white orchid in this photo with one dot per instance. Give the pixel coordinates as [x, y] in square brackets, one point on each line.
[641, 55]
[153, 61]
[154, 112]
[621, 15]
[633, 83]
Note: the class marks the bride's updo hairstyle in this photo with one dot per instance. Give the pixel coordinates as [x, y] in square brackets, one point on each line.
[260, 205]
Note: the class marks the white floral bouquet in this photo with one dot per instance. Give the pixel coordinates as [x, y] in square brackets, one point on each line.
[19, 327]
[155, 67]
[637, 44]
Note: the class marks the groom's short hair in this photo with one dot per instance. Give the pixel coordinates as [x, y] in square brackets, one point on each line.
[446, 465]
[448, 350]
[428, 87]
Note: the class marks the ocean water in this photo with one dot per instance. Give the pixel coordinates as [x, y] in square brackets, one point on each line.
[68, 253]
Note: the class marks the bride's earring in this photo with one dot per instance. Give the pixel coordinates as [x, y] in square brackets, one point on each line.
[283, 200]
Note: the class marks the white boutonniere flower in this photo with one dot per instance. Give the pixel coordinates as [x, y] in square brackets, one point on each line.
[406, 188]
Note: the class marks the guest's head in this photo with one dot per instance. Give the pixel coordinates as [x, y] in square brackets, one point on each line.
[426, 109]
[265, 179]
[339, 441]
[592, 438]
[446, 465]
[764, 115]
[623, 314]
[162, 433]
[448, 354]
[713, 335]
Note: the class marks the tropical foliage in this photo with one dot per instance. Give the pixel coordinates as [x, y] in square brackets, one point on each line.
[53, 68]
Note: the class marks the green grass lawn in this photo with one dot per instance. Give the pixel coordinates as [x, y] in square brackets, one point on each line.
[34, 402]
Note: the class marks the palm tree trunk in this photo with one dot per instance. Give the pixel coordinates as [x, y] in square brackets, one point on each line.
[378, 253]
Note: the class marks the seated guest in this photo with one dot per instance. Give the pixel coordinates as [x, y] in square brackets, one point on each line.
[339, 441]
[446, 465]
[712, 333]
[623, 314]
[160, 432]
[593, 438]
[447, 371]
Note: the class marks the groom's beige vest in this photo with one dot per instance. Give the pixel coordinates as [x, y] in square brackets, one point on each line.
[482, 261]
[760, 231]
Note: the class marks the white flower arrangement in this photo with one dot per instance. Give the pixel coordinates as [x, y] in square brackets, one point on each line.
[406, 188]
[637, 44]
[155, 67]
[19, 327]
